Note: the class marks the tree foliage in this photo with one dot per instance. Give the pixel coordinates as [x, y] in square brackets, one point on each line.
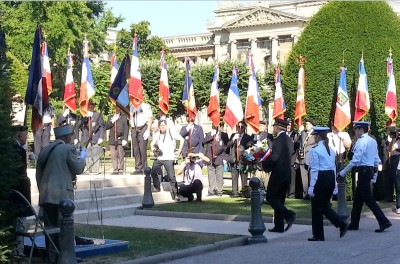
[344, 30]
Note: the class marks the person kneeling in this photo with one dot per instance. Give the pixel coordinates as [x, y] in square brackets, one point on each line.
[192, 176]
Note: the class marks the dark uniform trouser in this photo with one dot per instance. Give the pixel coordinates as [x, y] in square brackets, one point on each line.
[117, 157]
[51, 217]
[276, 195]
[42, 139]
[169, 167]
[397, 187]
[235, 178]
[215, 178]
[139, 148]
[321, 204]
[364, 195]
[188, 190]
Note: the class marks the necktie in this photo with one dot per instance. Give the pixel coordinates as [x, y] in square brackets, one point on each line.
[190, 138]
[213, 147]
[115, 135]
[90, 126]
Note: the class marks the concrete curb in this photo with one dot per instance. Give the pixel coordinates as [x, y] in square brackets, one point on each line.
[235, 242]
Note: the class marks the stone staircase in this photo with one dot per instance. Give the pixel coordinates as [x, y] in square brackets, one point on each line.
[109, 195]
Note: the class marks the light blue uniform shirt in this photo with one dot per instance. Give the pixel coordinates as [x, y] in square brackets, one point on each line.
[320, 160]
[365, 154]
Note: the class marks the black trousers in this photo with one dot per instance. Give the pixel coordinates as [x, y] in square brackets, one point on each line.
[156, 171]
[52, 218]
[363, 195]
[396, 181]
[188, 190]
[321, 204]
[276, 195]
[139, 148]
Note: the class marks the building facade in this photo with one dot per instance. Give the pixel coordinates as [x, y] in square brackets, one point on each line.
[267, 29]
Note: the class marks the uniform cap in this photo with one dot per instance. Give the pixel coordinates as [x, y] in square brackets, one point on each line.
[63, 131]
[361, 124]
[281, 122]
[311, 121]
[320, 130]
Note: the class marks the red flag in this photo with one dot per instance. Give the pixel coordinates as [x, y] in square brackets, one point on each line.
[300, 109]
[252, 113]
[362, 104]
[391, 98]
[69, 90]
[163, 89]
[135, 82]
[46, 68]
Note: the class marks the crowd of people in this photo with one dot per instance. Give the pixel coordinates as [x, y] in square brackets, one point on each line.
[315, 154]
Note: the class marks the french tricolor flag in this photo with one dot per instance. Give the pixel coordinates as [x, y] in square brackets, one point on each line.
[213, 106]
[87, 89]
[114, 68]
[46, 68]
[279, 101]
[163, 88]
[362, 104]
[233, 109]
[252, 114]
[391, 98]
[135, 82]
[69, 89]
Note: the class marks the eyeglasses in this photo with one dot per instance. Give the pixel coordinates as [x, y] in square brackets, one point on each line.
[240, 126]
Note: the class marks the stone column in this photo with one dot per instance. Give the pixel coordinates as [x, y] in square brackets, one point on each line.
[295, 38]
[233, 49]
[253, 45]
[274, 50]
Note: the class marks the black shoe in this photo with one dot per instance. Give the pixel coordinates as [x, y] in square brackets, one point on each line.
[137, 173]
[383, 227]
[343, 230]
[83, 241]
[352, 227]
[234, 195]
[275, 230]
[290, 222]
[114, 173]
[219, 194]
[316, 239]
[156, 190]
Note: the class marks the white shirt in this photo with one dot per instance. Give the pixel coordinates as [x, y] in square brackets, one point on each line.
[336, 142]
[167, 143]
[140, 116]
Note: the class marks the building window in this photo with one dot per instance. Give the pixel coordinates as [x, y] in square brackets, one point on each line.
[242, 46]
[285, 39]
[263, 44]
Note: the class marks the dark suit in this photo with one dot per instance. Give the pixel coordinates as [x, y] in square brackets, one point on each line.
[197, 139]
[246, 142]
[279, 165]
[72, 120]
[294, 136]
[216, 165]
[118, 131]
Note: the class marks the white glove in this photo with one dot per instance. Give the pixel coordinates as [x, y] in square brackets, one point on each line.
[213, 132]
[51, 132]
[66, 112]
[380, 167]
[341, 174]
[75, 141]
[89, 113]
[373, 180]
[301, 128]
[335, 191]
[114, 118]
[124, 142]
[236, 136]
[311, 191]
[188, 127]
[146, 134]
[99, 141]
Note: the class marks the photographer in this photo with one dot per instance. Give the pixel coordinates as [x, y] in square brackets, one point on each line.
[192, 176]
[163, 146]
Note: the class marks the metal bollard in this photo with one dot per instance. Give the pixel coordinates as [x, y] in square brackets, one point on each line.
[147, 201]
[342, 210]
[256, 226]
[67, 233]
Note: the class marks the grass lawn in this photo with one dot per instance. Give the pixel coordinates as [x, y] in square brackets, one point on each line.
[145, 242]
[242, 206]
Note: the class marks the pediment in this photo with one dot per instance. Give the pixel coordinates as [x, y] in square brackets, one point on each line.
[262, 16]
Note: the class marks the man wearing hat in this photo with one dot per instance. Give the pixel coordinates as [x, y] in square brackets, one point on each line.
[366, 161]
[69, 118]
[56, 170]
[294, 136]
[304, 145]
[322, 184]
[279, 165]
[92, 136]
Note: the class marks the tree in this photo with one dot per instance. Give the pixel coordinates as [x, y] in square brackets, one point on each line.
[344, 30]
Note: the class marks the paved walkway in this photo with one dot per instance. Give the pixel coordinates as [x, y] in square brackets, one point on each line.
[362, 246]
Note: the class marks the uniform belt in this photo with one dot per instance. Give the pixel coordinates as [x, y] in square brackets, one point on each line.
[46, 124]
[364, 168]
[139, 128]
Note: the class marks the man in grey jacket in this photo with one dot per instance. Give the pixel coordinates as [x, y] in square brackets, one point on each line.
[57, 167]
